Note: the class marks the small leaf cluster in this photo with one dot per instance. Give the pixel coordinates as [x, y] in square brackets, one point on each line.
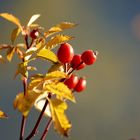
[39, 88]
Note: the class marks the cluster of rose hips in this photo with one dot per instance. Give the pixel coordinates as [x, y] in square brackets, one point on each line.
[67, 57]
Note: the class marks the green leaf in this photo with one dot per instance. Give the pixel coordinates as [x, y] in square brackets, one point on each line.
[48, 55]
[56, 40]
[10, 53]
[59, 27]
[33, 19]
[61, 90]
[15, 34]
[11, 18]
[61, 122]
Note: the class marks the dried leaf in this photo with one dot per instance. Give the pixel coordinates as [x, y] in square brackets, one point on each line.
[48, 55]
[61, 122]
[61, 90]
[33, 19]
[2, 115]
[12, 19]
[56, 40]
[10, 53]
[59, 27]
[15, 34]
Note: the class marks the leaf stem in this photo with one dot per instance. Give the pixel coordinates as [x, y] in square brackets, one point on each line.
[34, 131]
[46, 130]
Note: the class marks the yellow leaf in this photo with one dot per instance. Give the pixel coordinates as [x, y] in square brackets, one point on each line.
[33, 19]
[22, 69]
[47, 54]
[61, 122]
[56, 40]
[61, 90]
[12, 19]
[59, 27]
[25, 103]
[55, 75]
[56, 67]
[15, 34]
[10, 53]
[39, 104]
[2, 115]
[1, 59]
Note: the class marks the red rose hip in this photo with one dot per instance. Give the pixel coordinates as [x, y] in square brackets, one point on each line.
[72, 81]
[34, 34]
[88, 57]
[81, 85]
[65, 53]
[77, 62]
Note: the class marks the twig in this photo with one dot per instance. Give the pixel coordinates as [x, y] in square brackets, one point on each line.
[23, 117]
[46, 130]
[32, 134]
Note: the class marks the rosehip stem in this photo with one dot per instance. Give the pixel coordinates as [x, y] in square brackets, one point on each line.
[26, 41]
[34, 131]
[75, 67]
[46, 130]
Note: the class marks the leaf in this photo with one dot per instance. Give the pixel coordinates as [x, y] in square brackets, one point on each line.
[12, 19]
[22, 69]
[33, 19]
[39, 104]
[2, 115]
[25, 103]
[61, 90]
[48, 55]
[56, 40]
[61, 122]
[15, 34]
[56, 67]
[10, 53]
[55, 75]
[59, 27]
[1, 59]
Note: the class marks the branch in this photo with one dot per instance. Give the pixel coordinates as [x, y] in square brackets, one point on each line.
[34, 131]
[46, 129]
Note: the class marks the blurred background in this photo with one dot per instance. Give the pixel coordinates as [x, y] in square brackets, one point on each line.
[109, 108]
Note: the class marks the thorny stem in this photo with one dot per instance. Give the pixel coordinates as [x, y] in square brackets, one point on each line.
[34, 131]
[46, 130]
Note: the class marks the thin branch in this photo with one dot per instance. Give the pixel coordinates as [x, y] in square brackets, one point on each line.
[23, 123]
[43, 137]
[34, 131]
